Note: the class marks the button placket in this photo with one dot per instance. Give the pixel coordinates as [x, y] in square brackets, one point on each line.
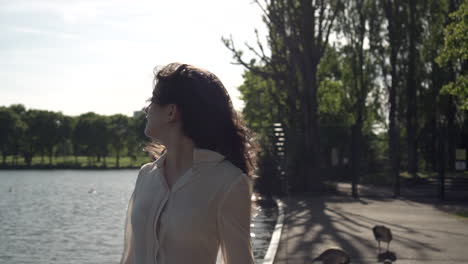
[156, 221]
[169, 192]
[193, 172]
[157, 217]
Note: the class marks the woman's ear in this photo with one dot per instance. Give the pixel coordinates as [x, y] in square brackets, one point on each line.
[173, 113]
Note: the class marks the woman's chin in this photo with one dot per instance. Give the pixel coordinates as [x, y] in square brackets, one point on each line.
[148, 133]
[151, 135]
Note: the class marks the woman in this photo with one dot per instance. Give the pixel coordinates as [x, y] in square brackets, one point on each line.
[195, 198]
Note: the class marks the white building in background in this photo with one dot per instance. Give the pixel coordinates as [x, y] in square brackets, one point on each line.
[137, 113]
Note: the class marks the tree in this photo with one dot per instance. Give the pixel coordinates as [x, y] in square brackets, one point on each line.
[9, 123]
[65, 130]
[32, 142]
[394, 15]
[52, 124]
[354, 25]
[259, 113]
[298, 33]
[413, 79]
[455, 55]
[119, 132]
[85, 136]
[137, 137]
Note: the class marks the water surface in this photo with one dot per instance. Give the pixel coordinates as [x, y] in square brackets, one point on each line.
[77, 216]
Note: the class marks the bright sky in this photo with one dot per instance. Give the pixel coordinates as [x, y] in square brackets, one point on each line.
[77, 56]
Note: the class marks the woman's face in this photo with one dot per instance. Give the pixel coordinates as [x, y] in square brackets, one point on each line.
[154, 121]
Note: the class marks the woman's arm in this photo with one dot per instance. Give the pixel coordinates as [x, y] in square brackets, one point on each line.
[129, 243]
[234, 222]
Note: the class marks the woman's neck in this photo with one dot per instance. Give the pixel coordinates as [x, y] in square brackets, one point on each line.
[179, 158]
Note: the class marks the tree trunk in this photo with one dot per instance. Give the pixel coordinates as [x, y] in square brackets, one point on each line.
[118, 160]
[356, 131]
[437, 77]
[394, 139]
[442, 159]
[434, 152]
[392, 15]
[310, 59]
[452, 134]
[411, 91]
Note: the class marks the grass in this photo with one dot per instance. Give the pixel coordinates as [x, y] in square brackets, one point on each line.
[377, 178]
[463, 214]
[457, 209]
[81, 162]
[385, 177]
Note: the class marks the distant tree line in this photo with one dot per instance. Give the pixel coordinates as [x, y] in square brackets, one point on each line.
[399, 65]
[29, 133]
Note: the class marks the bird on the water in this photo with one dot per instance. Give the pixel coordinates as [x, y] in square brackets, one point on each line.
[333, 256]
[382, 234]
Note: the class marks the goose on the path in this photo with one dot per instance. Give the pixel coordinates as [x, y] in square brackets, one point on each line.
[382, 233]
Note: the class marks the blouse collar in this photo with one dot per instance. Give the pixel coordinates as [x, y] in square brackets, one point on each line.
[200, 155]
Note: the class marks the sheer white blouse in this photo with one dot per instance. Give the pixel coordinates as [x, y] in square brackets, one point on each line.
[206, 209]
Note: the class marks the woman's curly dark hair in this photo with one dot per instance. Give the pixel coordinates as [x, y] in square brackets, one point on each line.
[208, 117]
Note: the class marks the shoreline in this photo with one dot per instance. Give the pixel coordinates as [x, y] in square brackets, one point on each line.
[68, 167]
[270, 255]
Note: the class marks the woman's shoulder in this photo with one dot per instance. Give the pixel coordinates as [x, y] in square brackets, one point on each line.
[236, 185]
[229, 168]
[147, 166]
[231, 173]
[146, 169]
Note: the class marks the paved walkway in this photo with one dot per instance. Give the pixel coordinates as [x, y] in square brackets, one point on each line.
[422, 232]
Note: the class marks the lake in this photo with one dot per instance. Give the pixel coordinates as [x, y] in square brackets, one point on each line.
[77, 216]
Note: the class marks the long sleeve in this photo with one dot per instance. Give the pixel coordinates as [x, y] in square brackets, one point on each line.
[129, 243]
[234, 222]
[128, 254]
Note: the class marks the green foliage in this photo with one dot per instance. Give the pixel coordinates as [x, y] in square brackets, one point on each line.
[455, 54]
[455, 48]
[379, 78]
[11, 126]
[259, 107]
[38, 134]
[119, 134]
[463, 214]
[332, 96]
[459, 89]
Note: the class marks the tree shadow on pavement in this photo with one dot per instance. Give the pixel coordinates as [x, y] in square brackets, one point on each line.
[315, 223]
